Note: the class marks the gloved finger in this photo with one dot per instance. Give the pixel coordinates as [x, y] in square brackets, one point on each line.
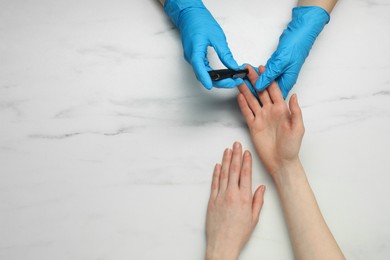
[199, 63]
[224, 54]
[227, 83]
[275, 66]
[286, 81]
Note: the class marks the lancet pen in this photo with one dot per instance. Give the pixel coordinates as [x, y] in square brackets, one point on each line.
[227, 73]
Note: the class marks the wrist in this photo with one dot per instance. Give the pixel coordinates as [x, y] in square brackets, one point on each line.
[288, 173]
[218, 253]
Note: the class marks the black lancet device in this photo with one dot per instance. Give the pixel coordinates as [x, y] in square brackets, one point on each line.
[227, 73]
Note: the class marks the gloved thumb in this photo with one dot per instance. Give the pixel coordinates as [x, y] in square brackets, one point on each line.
[274, 68]
[200, 65]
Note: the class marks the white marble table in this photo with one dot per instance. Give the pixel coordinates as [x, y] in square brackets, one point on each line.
[107, 141]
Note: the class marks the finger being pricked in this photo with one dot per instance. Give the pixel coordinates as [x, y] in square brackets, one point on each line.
[252, 74]
[250, 99]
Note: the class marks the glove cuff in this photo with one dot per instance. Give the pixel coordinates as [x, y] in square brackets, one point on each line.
[313, 17]
[173, 8]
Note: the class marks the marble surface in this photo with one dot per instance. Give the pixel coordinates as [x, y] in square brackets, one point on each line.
[107, 140]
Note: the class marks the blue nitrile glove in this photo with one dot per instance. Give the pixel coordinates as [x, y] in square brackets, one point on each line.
[199, 30]
[294, 46]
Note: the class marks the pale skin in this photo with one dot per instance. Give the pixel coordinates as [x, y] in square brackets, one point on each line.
[233, 211]
[326, 4]
[277, 131]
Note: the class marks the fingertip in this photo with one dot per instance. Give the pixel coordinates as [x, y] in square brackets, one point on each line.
[296, 99]
[247, 158]
[251, 69]
[229, 151]
[260, 195]
[261, 69]
[236, 145]
[248, 67]
[292, 100]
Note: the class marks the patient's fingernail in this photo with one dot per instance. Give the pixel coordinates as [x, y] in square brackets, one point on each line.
[228, 151]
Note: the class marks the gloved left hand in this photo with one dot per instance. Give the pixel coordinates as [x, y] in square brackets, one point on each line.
[199, 30]
[294, 46]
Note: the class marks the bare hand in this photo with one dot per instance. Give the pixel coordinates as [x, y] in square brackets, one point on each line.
[276, 129]
[232, 212]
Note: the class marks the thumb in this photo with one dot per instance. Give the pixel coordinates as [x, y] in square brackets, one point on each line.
[275, 66]
[257, 203]
[199, 63]
[296, 112]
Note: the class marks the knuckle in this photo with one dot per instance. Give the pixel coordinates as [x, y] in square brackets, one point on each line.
[279, 108]
[234, 169]
[224, 175]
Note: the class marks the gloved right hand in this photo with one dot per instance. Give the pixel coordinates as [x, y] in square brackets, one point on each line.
[199, 30]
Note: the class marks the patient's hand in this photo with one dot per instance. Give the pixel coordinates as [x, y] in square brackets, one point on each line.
[232, 212]
[276, 129]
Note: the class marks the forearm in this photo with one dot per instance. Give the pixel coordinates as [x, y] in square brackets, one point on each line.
[310, 236]
[326, 4]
